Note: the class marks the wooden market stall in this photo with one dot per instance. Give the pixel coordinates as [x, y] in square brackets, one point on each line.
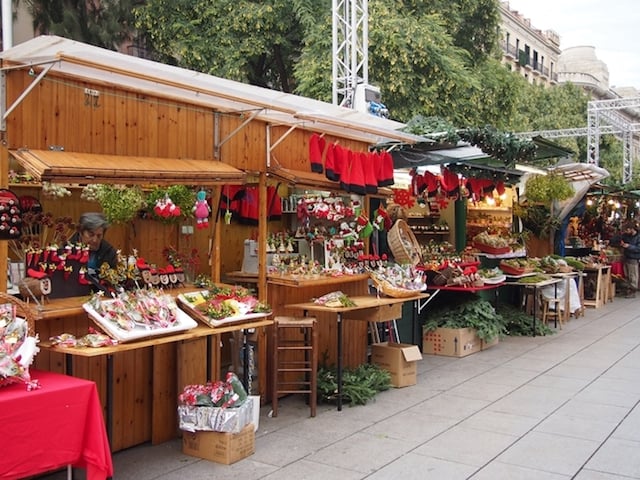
[75, 114]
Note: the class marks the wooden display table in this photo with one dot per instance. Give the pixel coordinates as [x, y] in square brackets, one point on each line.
[139, 381]
[535, 287]
[367, 308]
[599, 278]
[188, 364]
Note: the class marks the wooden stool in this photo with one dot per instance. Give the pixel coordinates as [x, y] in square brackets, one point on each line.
[547, 313]
[295, 359]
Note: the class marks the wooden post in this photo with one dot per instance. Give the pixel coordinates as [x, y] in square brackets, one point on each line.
[262, 237]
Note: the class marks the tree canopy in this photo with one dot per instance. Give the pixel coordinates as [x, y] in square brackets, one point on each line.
[430, 59]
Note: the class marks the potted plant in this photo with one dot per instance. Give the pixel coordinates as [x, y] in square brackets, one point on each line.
[537, 214]
[119, 203]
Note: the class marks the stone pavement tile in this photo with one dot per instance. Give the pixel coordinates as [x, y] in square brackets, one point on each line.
[475, 389]
[466, 445]
[547, 380]
[307, 470]
[445, 378]
[281, 448]
[450, 406]
[586, 474]
[498, 470]
[147, 462]
[593, 411]
[509, 424]
[619, 372]
[581, 372]
[206, 470]
[376, 410]
[629, 429]
[532, 363]
[619, 457]
[411, 426]
[614, 384]
[595, 358]
[550, 453]
[408, 396]
[595, 394]
[505, 375]
[570, 426]
[537, 402]
[361, 452]
[331, 426]
[417, 467]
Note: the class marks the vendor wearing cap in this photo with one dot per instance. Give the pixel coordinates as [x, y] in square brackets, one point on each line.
[629, 241]
[92, 227]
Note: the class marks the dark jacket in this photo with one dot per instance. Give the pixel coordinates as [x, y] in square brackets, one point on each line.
[105, 254]
[632, 252]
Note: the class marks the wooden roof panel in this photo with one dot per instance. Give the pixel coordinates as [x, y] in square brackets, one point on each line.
[73, 167]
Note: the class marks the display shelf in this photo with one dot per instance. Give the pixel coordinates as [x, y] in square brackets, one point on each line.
[425, 225]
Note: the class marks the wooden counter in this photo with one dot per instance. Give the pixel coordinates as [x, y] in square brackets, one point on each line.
[144, 377]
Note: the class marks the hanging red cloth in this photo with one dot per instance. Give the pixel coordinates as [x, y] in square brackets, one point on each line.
[385, 169]
[369, 166]
[431, 182]
[316, 149]
[450, 183]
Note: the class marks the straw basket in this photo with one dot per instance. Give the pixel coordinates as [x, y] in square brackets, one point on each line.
[391, 290]
[403, 244]
[24, 311]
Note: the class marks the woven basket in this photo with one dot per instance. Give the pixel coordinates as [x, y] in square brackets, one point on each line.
[391, 290]
[24, 311]
[403, 244]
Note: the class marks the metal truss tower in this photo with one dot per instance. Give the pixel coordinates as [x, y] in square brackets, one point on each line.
[350, 22]
[607, 112]
[603, 118]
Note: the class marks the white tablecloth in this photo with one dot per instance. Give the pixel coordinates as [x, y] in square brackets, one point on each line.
[574, 297]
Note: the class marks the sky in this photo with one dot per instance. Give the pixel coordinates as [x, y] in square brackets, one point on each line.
[612, 27]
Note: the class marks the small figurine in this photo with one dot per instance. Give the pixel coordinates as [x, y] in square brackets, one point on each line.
[201, 210]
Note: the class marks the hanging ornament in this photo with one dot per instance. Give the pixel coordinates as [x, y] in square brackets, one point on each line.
[403, 198]
[442, 201]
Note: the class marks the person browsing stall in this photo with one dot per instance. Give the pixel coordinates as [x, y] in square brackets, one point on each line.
[629, 241]
[92, 227]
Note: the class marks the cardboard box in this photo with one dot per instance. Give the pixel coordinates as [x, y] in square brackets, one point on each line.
[216, 419]
[484, 345]
[256, 411]
[220, 447]
[399, 359]
[451, 342]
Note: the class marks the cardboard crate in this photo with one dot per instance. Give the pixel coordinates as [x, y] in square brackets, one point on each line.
[220, 447]
[216, 419]
[399, 359]
[451, 342]
[484, 345]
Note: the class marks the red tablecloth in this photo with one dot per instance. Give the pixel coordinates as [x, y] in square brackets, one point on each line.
[59, 424]
[617, 268]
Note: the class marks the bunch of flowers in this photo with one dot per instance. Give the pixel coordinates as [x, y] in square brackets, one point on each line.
[17, 348]
[223, 302]
[228, 393]
[54, 190]
[147, 308]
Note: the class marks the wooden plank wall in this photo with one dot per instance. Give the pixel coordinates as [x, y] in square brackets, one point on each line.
[58, 113]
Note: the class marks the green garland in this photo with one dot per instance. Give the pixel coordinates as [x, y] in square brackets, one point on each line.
[504, 146]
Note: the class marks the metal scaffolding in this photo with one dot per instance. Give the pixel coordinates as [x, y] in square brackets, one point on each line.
[605, 117]
[350, 24]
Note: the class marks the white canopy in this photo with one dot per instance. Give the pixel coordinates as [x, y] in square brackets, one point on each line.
[83, 61]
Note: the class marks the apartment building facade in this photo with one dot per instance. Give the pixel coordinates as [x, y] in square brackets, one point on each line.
[529, 51]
